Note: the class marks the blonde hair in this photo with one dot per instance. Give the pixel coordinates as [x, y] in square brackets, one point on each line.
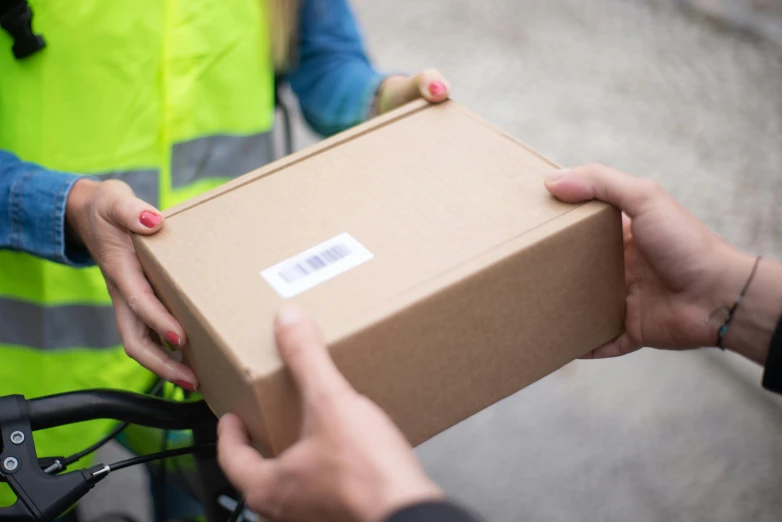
[283, 16]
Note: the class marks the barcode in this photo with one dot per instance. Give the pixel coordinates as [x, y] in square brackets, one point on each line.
[313, 263]
[316, 265]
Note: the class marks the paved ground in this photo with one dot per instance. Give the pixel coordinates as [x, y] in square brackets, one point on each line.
[638, 85]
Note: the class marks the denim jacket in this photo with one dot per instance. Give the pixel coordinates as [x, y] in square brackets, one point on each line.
[334, 82]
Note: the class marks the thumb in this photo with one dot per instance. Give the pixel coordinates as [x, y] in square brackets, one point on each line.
[432, 85]
[622, 345]
[122, 208]
[578, 184]
[243, 466]
[304, 351]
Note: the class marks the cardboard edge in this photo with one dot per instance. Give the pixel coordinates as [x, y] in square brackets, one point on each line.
[486, 123]
[594, 213]
[575, 215]
[145, 252]
[297, 157]
[140, 243]
[378, 312]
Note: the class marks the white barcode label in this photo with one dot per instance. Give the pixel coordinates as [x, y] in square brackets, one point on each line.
[316, 265]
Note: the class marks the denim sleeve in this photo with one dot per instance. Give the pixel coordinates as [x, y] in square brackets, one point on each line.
[334, 79]
[32, 211]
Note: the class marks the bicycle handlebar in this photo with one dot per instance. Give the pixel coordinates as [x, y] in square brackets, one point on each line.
[42, 496]
[79, 406]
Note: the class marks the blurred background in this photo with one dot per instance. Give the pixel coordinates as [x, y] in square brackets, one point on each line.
[688, 92]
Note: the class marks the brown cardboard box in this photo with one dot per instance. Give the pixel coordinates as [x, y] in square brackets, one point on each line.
[462, 280]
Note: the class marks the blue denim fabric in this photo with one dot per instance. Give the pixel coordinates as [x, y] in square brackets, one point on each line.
[334, 82]
[32, 211]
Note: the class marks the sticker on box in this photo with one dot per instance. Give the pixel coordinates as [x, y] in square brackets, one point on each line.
[316, 265]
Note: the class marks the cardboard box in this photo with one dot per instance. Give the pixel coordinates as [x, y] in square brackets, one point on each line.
[444, 276]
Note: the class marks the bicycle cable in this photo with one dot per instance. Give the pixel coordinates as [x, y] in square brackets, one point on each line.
[67, 461]
[143, 459]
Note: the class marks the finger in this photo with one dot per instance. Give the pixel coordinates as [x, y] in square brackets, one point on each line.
[123, 209]
[304, 351]
[627, 226]
[148, 354]
[124, 271]
[244, 467]
[578, 184]
[433, 86]
[622, 345]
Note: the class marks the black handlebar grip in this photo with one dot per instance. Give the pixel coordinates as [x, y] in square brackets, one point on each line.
[145, 410]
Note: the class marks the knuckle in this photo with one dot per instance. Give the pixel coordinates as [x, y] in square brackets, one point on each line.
[114, 185]
[132, 350]
[164, 368]
[649, 189]
[135, 300]
[599, 168]
[653, 188]
[108, 260]
[121, 207]
[333, 397]
[114, 292]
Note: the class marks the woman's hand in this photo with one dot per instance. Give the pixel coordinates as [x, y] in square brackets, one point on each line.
[102, 216]
[350, 464]
[677, 272]
[398, 90]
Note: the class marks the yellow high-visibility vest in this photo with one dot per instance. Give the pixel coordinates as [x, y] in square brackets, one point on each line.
[172, 96]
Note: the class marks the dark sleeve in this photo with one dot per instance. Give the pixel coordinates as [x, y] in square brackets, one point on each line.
[772, 377]
[432, 512]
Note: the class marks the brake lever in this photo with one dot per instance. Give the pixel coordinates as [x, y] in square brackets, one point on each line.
[40, 497]
[50, 465]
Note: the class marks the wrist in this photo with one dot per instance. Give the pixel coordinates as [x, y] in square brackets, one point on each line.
[387, 500]
[77, 209]
[749, 332]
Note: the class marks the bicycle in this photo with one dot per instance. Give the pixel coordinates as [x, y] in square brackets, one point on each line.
[45, 490]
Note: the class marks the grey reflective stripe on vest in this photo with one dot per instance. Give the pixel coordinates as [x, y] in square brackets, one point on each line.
[57, 327]
[219, 156]
[145, 183]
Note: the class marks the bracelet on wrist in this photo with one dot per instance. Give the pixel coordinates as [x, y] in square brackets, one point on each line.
[731, 312]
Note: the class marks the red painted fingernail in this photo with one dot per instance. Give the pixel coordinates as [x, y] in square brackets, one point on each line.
[437, 88]
[185, 385]
[150, 219]
[174, 339]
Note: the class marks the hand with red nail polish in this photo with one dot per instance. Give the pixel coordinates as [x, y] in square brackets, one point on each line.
[398, 90]
[437, 89]
[150, 219]
[102, 216]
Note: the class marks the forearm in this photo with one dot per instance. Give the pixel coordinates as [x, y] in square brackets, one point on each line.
[749, 332]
